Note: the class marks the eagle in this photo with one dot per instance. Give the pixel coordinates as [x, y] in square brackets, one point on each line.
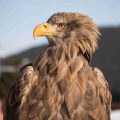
[61, 84]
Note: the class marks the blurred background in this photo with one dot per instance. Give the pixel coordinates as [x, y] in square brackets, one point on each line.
[17, 47]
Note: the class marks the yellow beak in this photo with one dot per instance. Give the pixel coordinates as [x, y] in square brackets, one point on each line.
[44, 29]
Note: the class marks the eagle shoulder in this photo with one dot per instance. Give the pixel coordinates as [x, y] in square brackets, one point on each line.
[20, 89]
[104, 92]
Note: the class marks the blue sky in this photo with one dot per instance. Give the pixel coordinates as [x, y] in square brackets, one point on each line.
[19, 17]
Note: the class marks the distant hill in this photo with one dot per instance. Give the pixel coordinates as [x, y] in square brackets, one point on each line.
[28, 54]
[107, 58]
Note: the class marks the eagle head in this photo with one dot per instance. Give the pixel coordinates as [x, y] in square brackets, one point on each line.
[70, 28]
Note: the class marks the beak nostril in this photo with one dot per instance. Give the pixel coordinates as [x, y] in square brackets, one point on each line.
[45, 26]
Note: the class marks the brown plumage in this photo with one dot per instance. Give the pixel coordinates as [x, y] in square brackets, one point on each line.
[60, 84]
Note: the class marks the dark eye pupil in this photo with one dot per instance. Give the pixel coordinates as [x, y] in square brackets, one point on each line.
[61, 25]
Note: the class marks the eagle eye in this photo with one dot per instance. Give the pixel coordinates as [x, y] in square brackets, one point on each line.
[61, 25]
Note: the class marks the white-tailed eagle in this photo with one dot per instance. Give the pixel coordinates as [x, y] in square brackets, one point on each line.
[61, 84]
